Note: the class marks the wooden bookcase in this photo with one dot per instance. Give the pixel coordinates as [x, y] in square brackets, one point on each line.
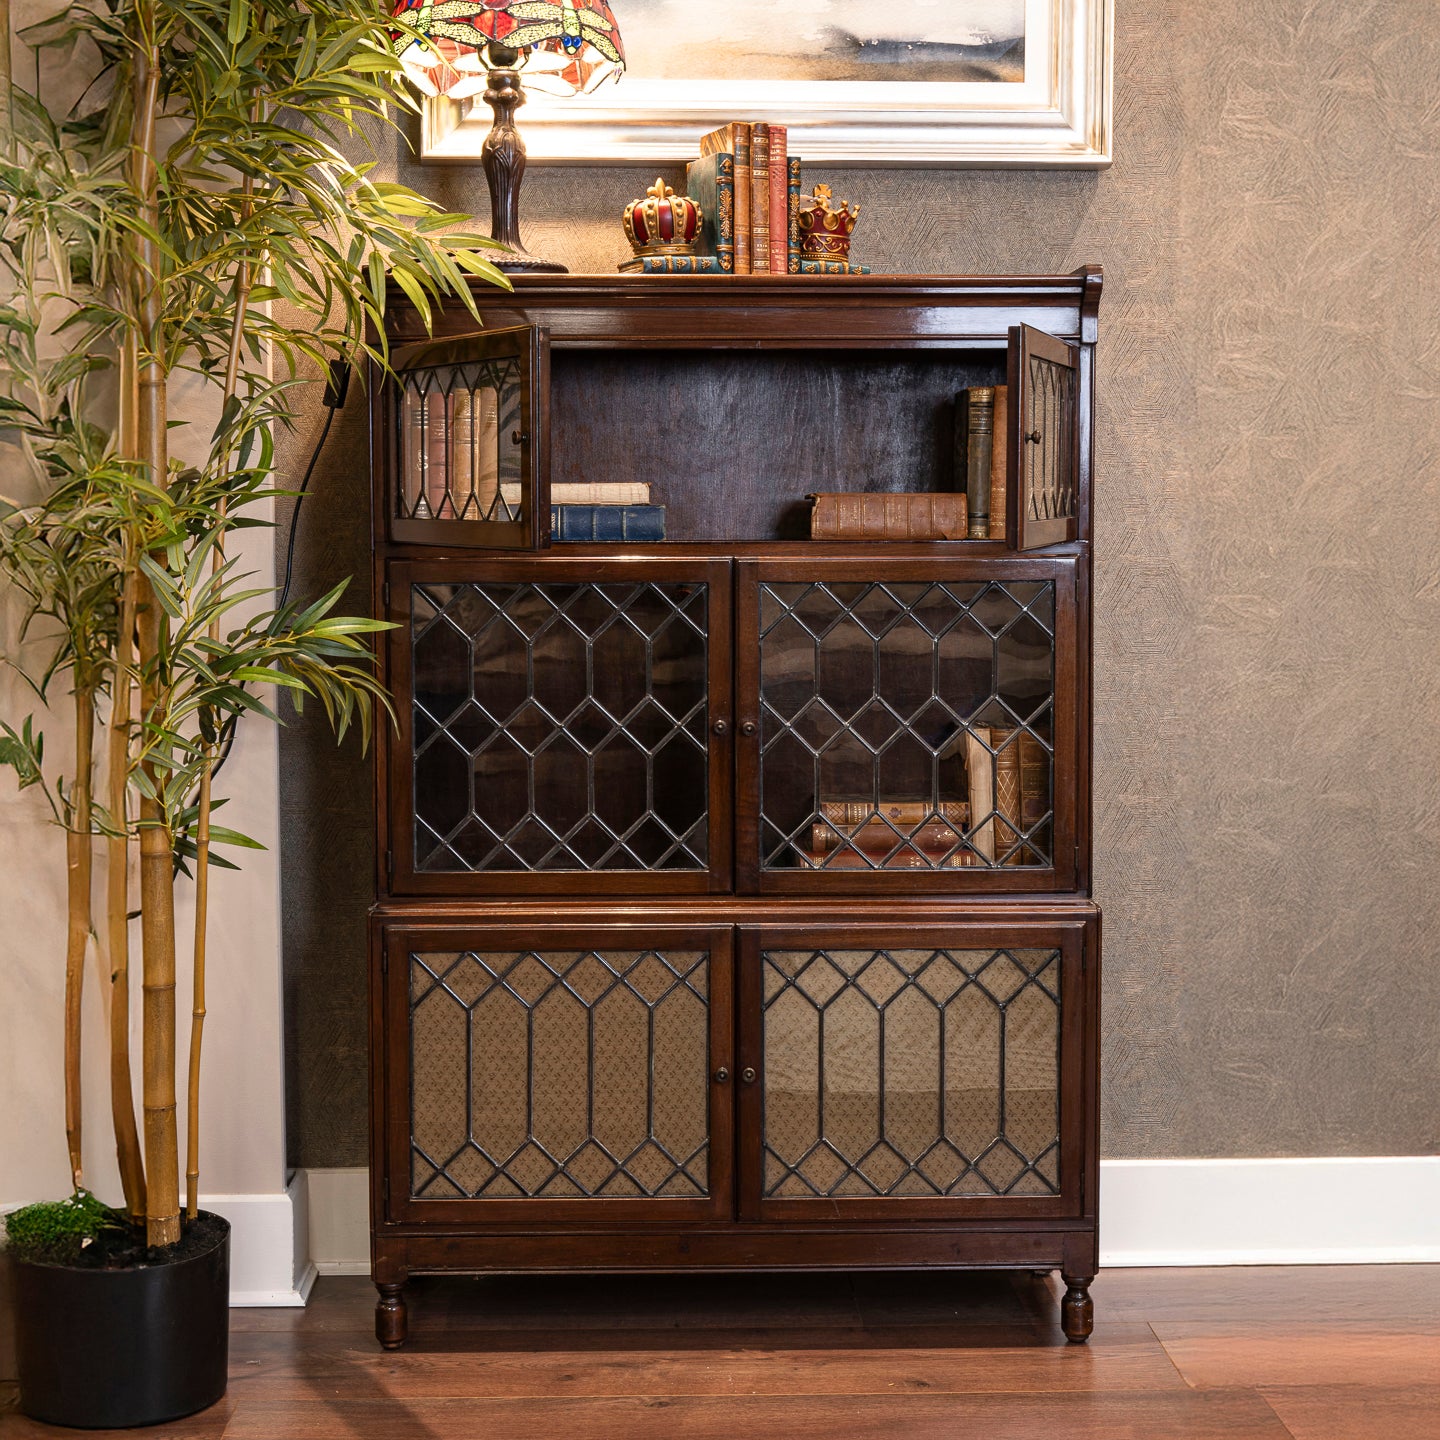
[619, 1022]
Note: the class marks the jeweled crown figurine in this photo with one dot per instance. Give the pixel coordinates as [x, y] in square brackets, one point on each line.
[663, 223]
[826, 229]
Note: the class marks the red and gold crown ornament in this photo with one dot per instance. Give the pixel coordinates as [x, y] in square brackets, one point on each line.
[662, 222]
[825, 229]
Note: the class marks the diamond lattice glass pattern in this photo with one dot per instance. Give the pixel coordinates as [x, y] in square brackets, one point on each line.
[459, 436]
[581, 1075]
[560, 726]
[911, 1073]
[906, 725]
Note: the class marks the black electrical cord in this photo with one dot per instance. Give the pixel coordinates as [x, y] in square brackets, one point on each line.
[337, 383]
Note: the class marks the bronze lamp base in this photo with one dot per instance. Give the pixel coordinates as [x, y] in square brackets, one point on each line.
[504, 159]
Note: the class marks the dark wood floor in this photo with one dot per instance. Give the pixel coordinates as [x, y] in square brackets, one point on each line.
[1332, 1353]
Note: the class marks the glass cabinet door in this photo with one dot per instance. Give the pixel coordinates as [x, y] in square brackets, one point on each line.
[543, 1075]
[564, 726]
[910, 1072]
[906, 725]
[468, 460]
[1043, 442]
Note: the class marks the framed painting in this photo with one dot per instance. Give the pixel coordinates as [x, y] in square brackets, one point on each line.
[1023, 83]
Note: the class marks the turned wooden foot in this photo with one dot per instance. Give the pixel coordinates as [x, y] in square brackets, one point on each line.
[1077, 1309]
[392, 1319]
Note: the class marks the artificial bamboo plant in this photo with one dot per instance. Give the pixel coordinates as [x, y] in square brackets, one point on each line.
[194, 221]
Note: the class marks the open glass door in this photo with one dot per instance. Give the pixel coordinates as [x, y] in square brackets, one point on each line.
[469, 462]
[1043, 439]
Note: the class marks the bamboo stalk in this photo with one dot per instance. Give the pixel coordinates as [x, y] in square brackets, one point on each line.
[197, 1013]
[157, 881]
[7, 79]
[117, 900]
[78, 874]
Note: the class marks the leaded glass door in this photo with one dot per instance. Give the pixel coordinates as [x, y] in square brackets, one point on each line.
[912, 1072]
[907, 725]
[465, 436]
[563, 726]
[560, 1074]
[1043, 443]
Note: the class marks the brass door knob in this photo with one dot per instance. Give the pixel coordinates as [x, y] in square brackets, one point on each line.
[748, 1075]
[721, 1075]
[748, 727]
[721, 725]
[1032, 437]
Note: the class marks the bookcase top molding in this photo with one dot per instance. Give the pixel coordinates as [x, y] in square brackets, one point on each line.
[725, 312]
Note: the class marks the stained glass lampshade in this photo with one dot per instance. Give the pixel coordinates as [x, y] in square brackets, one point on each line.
[568, 46]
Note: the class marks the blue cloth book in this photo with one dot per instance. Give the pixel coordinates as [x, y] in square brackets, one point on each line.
[607, 523]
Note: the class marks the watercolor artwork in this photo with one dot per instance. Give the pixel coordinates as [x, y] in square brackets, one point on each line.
[846, 40]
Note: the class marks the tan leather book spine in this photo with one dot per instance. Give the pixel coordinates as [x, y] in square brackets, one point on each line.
[1034, 782]
[938, 516]
[1007, 794]
[740, 140]
[907, 860]
[760, 198]
[779, 200]
[980, 770]
[979, 414]
[999, 462]
[875, 837]
[734, 139]
[903, 813]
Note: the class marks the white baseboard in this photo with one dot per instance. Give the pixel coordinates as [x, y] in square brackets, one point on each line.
[1310, 1211]
[1344, 1210]
[339, 1202]
[266, 1265]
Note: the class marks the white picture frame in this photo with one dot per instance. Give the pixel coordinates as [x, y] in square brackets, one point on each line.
[1058, 116]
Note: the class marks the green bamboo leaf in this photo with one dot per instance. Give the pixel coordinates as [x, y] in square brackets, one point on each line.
[238, 22]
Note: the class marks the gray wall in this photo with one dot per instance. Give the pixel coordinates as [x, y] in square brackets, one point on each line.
[1267, 596]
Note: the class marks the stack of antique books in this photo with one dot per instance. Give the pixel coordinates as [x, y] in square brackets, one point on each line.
[604, 511]
[747, 185]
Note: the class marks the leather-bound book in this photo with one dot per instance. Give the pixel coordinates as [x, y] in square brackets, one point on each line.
[1007, 794]
[759, 197]
[1034, 782]
[933, 516]
[904, 814]
[792, 211]
[876, 837]
[980, 769]
[999, 463]
[779, 200]
[906, 860]
[710, 183]
[734, 139]
[974, 437]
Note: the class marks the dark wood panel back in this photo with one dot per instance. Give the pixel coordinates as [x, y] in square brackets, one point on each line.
[732, 442]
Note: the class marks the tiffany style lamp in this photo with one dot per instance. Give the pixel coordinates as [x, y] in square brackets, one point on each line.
[473, 47]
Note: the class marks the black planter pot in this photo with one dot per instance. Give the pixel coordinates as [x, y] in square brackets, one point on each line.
[101, 1349]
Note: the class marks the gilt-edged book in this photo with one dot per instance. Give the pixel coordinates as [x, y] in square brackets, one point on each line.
[934, 515]
[710, 183]
[607, 524]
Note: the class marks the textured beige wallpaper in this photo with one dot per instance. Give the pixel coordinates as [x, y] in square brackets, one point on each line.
[1268, 599]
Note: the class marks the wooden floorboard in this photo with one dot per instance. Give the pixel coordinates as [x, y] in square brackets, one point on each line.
[1358, 1412]
[1183, 1415]
[1339, 1353]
